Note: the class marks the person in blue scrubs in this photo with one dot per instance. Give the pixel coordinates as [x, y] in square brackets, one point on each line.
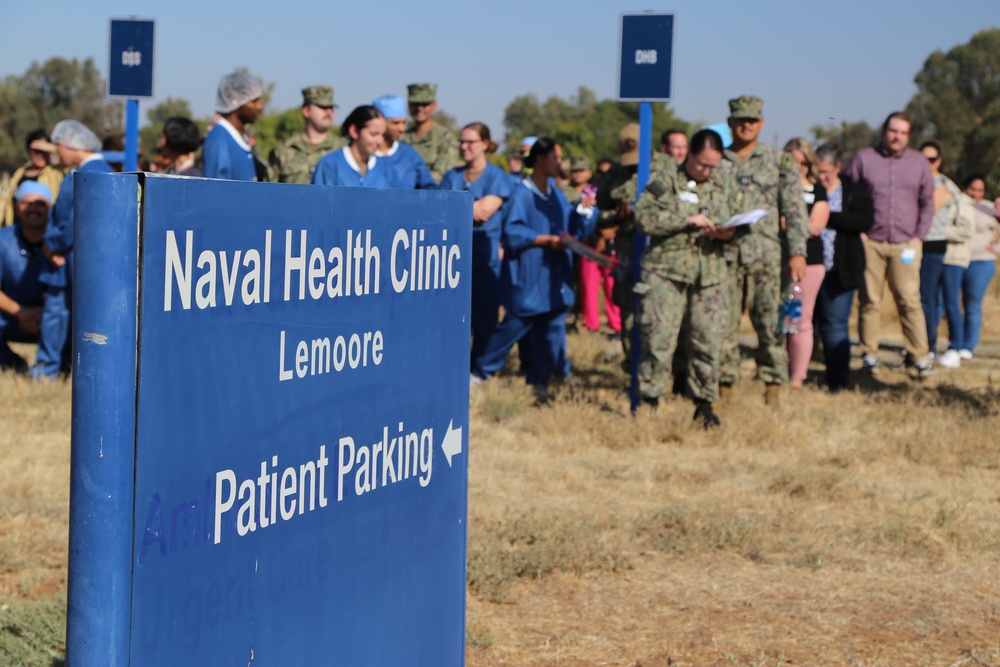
[21, 264]
[490, 187]
[537, 274]
[405, 166]
[357, 164]
[78, 152]
[227, 152]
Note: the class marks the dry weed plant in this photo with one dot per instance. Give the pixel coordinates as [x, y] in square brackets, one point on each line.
[853, 529]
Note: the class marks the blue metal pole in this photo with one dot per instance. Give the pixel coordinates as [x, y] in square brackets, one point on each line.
[132, 135]
[102, 458]
[639, 241]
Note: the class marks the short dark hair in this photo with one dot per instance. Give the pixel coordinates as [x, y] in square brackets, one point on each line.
[359, 118]
[665, 137]
[181, 135]
[971, 178]
[34, 136]
[931, 144]
[703, 139]
[898, 115]
[541, 148]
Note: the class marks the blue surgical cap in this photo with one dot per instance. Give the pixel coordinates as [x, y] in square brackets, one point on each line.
[391, 106]
[33, 188]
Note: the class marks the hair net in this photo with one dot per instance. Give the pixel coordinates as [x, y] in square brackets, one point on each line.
[235, 90]
[74, 134]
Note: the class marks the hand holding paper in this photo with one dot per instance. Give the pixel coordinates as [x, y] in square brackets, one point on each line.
[747, 218]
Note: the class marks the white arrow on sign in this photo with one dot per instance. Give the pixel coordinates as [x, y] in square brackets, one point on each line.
[452, 443]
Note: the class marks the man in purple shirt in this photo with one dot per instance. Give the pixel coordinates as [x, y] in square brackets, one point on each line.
[900, 182]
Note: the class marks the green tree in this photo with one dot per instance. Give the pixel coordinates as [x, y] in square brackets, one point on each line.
[583, 125]
[957, 104]
[47, 93]
[850, 137]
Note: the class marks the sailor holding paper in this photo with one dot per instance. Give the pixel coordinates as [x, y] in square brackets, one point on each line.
[684, 271]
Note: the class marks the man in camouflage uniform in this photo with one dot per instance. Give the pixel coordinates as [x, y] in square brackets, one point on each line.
[293, 160]
[437, 145]
[769, 181]
[684, 271]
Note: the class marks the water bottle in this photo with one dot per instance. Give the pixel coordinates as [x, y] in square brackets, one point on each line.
[792, 309]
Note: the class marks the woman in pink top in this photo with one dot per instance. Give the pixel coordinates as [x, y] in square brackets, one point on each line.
[800, 345]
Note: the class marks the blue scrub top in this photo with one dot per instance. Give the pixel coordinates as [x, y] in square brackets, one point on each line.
[406, 169]
[485, 237]
[538, 279]
[339, 168]
[225, 158]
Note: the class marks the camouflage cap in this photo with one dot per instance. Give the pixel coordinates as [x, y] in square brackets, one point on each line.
[516, 152]
[746, 106]
[321, 96]
[421, 93]
[579, 164]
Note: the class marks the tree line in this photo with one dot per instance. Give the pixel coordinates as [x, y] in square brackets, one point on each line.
[957, 103]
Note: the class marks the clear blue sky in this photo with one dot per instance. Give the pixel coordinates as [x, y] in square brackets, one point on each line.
[811, 62]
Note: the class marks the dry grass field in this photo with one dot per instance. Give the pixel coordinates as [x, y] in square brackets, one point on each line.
[861, 528]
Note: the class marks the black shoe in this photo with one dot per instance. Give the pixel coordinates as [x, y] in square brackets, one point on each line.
[653, 402]
[703, 413]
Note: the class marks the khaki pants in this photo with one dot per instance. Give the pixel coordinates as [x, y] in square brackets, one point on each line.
[885, 265]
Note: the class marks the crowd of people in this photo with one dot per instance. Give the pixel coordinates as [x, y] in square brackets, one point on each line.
[551, 232]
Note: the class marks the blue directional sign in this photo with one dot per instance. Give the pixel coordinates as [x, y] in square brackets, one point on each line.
[646, 56]
[301, 418]
[130, 57]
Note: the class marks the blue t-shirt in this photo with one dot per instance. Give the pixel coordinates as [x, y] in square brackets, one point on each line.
[406, 169]
[485, 237]
[340, 168]
[226, 157]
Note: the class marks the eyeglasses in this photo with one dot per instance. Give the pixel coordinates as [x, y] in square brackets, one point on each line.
[934, 158]
[468, 142]
[704, 167]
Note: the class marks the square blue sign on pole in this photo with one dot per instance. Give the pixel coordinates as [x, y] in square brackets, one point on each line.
[270, 428]
[645, 56]
[130, 57]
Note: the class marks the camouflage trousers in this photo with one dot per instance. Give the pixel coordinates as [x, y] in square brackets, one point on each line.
[662, 311]
[756, 287]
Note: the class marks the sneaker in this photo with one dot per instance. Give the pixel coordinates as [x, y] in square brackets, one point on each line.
[950, 359]
[932, 356]
[965, 354]
[474, 380]
[703, 413]
[869, 364]
[920, 369]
